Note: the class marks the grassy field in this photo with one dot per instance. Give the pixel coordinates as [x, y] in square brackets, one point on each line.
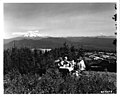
[90, 82]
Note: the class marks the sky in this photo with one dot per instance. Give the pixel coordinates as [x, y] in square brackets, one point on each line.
[59, 19]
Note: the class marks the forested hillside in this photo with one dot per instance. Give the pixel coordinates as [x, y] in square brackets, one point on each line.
[52, 42]
[27, 71]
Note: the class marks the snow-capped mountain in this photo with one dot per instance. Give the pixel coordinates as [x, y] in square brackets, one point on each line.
[32, 34]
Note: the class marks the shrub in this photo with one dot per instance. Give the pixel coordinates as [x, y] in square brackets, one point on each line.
[49, 82]
[15, 83]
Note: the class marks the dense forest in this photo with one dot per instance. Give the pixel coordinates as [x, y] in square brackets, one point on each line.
[27, 71]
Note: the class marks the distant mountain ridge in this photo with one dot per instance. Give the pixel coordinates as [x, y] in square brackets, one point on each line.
[103, 36]
[41, 37]
[55, 42]
[20, 38]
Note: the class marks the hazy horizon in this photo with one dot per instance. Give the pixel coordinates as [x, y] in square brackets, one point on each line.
[59, 19]
[111, 36]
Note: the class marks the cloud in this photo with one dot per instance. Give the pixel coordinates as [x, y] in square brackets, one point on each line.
[18, 33]
[36, 31]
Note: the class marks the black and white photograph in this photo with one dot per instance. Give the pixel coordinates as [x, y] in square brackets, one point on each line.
[60, 47]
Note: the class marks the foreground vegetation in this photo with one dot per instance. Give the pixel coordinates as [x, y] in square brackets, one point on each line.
[34, 72]
[52, 82]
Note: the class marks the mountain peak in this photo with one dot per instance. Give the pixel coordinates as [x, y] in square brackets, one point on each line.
[32, 34]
